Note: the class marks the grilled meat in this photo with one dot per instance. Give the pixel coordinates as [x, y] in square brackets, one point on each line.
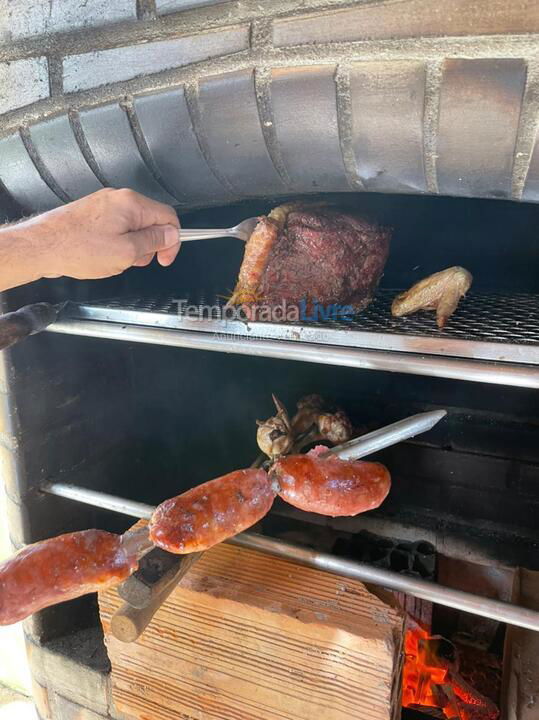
[329, 485]
[59, 569]
[275, 436]
[278, 435]
[335, 427]
[212, 512]
[441, 292]
[305, 253]
[72, 565]
[308, 409]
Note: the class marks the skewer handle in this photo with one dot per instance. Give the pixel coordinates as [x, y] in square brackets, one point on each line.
[129, 622]
[20, 324]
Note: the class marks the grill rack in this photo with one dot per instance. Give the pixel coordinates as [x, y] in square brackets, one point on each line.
[491, 337]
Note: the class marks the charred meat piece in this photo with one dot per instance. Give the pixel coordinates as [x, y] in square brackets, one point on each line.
[317, 420]
[275, 436]
[312, 254]
[328, 485]
[308, 410]
[278, 435]
[212, 512]
[335, 427]
[257, 253]
[75, 564]
[441, 292]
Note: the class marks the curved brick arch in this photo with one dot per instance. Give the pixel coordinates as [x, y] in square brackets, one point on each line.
[200, 103]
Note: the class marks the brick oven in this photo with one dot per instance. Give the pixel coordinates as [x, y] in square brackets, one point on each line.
[422, 116]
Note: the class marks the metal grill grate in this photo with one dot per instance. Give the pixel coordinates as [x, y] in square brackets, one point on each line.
[485, 326]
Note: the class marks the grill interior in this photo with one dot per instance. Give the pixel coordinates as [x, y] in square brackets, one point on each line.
[145, 421]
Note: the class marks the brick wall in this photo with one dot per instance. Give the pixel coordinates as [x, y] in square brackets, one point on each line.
[268, 98]
[26, 18]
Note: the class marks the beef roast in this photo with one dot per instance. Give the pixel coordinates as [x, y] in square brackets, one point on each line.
[312, 254]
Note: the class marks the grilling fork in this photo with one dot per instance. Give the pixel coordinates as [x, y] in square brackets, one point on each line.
[18, 325]
[242, 231]
[32, 319]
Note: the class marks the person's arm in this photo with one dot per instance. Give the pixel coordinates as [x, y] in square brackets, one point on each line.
[98, 236]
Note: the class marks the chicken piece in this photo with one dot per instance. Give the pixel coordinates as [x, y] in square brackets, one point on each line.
[335, 427]
[308, 410]
[330, 423]
[329, 485]
[275, 435]
[441, 292]
[278, 436]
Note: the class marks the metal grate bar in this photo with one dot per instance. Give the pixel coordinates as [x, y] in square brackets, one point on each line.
[496, 327]
[500, 373]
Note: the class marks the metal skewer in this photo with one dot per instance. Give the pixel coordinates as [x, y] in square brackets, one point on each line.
[359, 447]
[388, 435]
[457, 599]
[475, 604]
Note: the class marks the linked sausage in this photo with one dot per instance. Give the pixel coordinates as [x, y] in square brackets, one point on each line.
[78, 563]
[330, 486]
[212, 512]
[62, 568]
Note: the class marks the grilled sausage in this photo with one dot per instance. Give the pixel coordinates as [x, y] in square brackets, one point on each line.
[62, 568]
[330, 486]
[212, 512]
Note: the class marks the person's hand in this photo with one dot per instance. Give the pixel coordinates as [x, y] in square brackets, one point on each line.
[102, 235]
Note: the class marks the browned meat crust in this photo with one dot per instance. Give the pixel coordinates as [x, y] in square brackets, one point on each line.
[312, 254]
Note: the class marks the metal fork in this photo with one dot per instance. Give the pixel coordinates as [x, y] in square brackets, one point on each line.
[242, 231]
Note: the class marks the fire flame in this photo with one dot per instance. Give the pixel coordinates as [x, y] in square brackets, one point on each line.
[432, 681]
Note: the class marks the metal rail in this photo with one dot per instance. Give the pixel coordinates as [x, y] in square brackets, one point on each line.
[486, 326]
[131, 508]
[513, 374]
[457, 599]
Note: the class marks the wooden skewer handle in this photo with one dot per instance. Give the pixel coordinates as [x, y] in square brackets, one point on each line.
[128, 623]
[155, 571]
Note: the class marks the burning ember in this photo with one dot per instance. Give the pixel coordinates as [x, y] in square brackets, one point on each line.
[431, 680]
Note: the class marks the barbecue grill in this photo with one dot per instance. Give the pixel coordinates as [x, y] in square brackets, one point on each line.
[142, 389]
[145, 385]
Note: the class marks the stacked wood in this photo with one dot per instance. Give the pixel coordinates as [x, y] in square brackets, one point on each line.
[250, 637]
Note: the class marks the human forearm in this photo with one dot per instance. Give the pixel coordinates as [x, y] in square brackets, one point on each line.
[22, 257]
[98, 236]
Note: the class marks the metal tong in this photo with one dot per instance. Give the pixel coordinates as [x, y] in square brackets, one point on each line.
[160, 572]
